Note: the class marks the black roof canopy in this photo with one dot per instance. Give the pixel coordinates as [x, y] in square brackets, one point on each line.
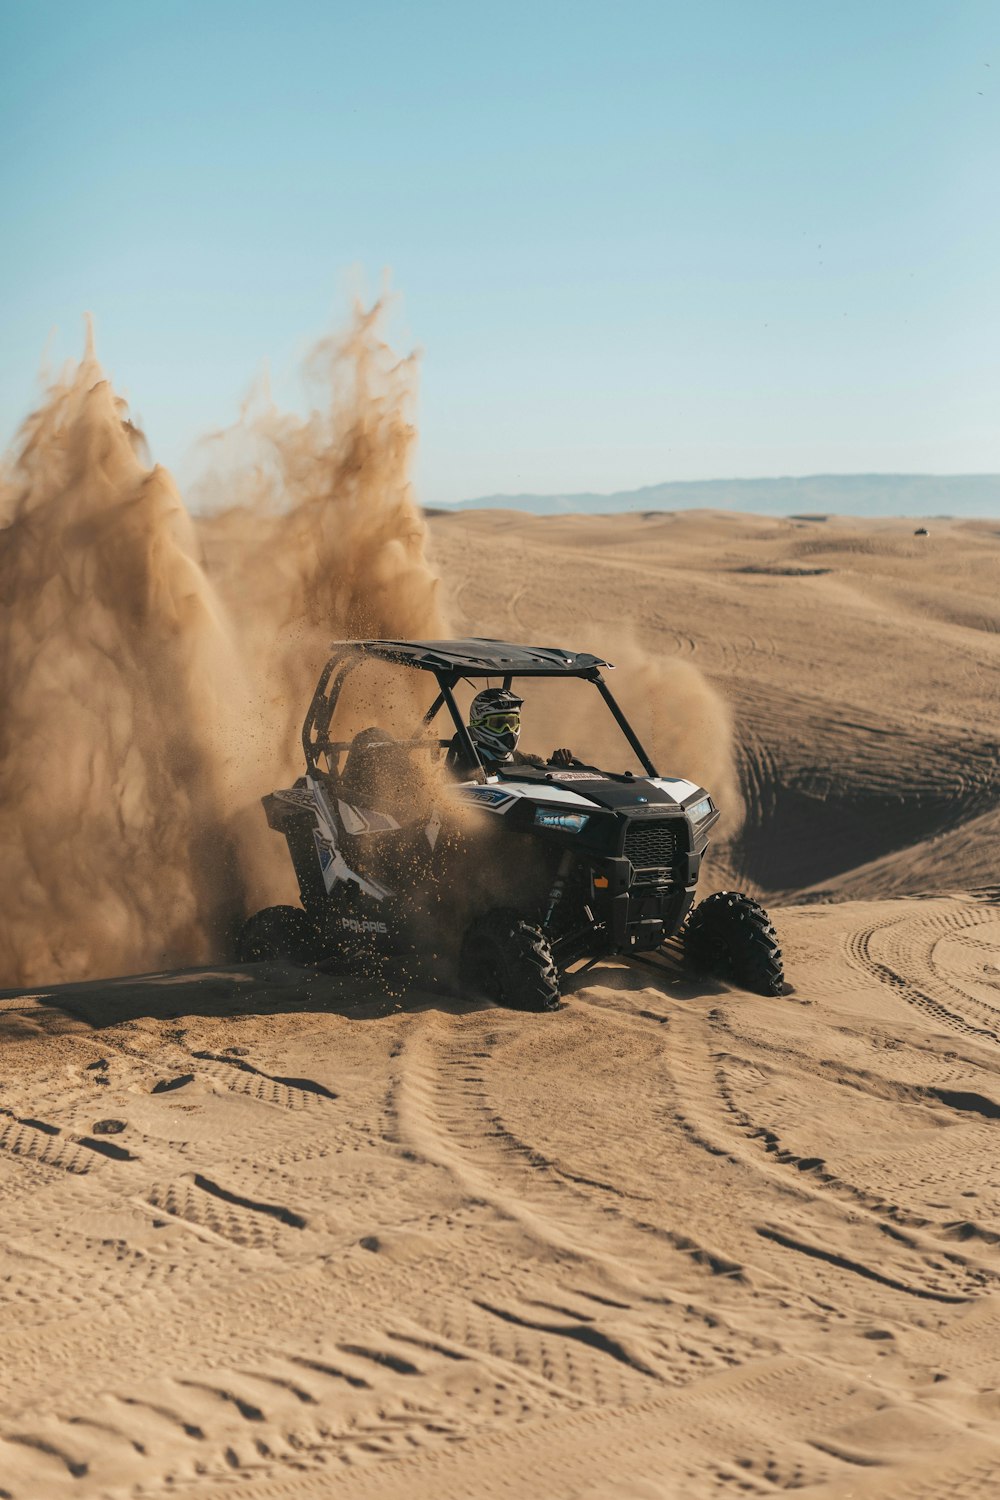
[482, 658]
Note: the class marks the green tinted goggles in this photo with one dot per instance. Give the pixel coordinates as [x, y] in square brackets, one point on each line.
[498, 723]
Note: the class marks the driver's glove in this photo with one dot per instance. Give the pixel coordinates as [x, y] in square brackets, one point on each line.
[562, 758]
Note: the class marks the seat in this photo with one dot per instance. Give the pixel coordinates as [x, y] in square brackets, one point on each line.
[380, 774]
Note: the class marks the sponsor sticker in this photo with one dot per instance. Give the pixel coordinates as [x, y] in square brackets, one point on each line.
[576, 776]
[354, 924]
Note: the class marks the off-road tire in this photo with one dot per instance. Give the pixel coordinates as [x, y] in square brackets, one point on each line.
[277, 932]
[506, 960]
[730, 934]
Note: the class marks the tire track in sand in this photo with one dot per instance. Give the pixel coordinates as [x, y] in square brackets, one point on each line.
[898, 952]
[665, 1326]
[792, 1200]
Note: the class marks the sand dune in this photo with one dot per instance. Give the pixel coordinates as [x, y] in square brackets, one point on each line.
[273, 1233]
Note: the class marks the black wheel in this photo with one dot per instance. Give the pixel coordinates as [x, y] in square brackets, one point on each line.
[510, 962]
[274, 933]
[730, 934]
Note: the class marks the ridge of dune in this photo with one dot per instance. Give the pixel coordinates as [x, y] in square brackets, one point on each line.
[961, 857]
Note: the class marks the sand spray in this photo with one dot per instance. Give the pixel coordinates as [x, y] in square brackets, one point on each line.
[154, 670]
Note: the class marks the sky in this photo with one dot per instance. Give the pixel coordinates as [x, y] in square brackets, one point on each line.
[633, 242]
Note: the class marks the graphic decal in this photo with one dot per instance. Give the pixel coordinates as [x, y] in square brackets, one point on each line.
[493, 797]
[350, 817]
[332, 862]
[676, 788]
[364, 820]
[324, 850]
[297, 796]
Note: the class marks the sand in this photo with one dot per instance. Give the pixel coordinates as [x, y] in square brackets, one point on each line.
[272, 1233]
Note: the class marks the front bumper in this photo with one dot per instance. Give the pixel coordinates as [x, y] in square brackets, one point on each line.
[635, 910]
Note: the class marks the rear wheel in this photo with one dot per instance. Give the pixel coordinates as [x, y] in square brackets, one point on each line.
[731, 935]
[277, 932]
[508, 961]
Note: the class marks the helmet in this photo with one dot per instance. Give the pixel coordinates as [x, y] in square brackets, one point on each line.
[495, 722]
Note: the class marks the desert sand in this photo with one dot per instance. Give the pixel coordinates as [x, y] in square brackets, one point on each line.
[269, 1233]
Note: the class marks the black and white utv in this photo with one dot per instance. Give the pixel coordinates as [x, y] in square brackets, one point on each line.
[508, 876]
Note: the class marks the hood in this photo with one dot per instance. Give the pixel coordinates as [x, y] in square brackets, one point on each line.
[615, 794]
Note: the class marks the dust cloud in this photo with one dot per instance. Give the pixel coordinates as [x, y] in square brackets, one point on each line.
[682, 719]
[155, 665]
[154, 670]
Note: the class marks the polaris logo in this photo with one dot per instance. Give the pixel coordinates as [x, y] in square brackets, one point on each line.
[354, 925]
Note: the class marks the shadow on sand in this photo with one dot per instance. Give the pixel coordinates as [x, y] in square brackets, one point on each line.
[274, 989]
[227, 990]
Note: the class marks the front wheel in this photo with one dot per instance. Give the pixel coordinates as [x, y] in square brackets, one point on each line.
[731, 935]
[508, 961]
[277, 932]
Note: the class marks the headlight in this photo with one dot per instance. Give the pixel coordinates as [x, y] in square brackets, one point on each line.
[700, 810]
[568, 822]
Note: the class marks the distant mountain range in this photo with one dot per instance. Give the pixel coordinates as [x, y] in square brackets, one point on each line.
[963, 495]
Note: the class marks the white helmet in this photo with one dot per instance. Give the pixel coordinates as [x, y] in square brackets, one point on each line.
[495, 723]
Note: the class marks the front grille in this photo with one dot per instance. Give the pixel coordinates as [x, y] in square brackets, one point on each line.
[651, 846]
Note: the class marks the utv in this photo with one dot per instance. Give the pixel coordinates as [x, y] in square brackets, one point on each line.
[511, 875]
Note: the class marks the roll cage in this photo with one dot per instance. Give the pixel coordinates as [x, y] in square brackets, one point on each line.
[449, 662]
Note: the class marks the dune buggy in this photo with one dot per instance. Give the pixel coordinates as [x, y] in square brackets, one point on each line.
[509, 875]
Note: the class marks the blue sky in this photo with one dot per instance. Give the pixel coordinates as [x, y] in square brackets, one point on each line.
[635, 242]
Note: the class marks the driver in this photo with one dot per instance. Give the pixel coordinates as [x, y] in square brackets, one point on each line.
[495, 727]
